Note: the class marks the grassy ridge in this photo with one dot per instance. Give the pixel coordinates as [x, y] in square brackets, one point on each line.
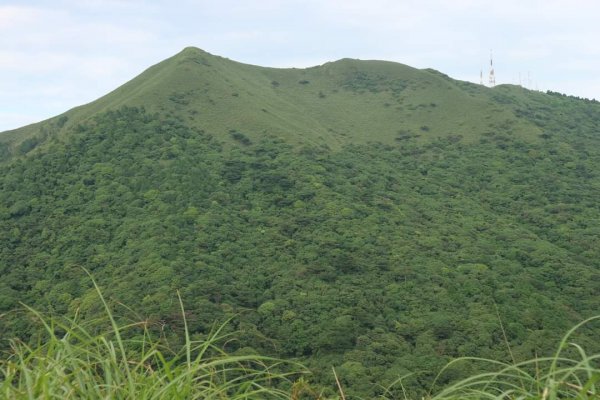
[347, 101]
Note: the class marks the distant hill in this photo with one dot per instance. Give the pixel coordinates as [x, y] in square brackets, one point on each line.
[341, 102]
[360, 214]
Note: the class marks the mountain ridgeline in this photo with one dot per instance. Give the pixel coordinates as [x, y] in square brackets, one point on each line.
[338, 103]
[359, 214]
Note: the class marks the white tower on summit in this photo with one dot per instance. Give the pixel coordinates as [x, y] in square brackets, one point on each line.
[492, 78]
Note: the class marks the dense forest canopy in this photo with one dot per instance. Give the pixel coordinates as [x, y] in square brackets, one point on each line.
[381, 257]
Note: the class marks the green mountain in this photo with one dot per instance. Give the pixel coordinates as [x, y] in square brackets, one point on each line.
[360, 214]
[338, 103]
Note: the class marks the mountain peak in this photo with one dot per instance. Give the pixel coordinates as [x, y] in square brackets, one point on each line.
[193, 54]
[191, 51]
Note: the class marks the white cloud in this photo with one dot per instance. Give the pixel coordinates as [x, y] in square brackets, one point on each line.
[13, 120]
[15, 16]
[54, 58]
[372, 15]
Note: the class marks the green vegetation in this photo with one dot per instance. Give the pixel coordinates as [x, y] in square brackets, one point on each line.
[342, 102]
[71, 361]
[574, 375]
[364, 216]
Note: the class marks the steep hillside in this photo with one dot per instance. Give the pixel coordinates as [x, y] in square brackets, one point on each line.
[362, 215]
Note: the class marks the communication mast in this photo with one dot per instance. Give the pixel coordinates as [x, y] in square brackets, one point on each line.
[492, 79]
[481, 77]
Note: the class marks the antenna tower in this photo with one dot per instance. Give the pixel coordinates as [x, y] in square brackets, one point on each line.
[492, 79]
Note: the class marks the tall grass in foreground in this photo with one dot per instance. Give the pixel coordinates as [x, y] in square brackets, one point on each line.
[575, 375]
[80, 365]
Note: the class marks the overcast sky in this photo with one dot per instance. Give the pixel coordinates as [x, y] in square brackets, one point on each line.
[58, 54]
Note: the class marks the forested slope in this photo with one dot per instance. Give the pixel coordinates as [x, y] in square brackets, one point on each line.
[381, 256]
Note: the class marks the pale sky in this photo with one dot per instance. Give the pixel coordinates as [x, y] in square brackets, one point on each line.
[57, 54]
